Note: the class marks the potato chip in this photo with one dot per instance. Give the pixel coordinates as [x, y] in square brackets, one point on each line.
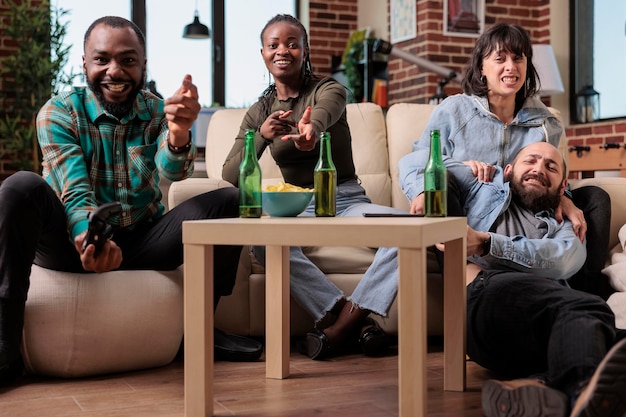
[286, 187]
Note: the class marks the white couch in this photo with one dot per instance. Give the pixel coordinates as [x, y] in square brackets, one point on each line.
[379, 141]
[85, 324]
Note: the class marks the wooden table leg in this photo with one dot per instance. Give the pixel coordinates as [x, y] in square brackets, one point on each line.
[454, 306]
[277, 312]
[198, 305]
[412, 340]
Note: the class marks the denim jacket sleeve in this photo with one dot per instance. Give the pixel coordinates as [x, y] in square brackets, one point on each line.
[558, 255]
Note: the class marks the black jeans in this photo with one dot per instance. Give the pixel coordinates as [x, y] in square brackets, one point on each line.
[596, 206]
[519, 325]
[33, 229]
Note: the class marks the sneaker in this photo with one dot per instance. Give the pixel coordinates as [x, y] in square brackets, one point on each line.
[605, 394]
[522, 398]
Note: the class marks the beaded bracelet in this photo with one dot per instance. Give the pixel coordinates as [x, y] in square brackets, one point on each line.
[180, 149]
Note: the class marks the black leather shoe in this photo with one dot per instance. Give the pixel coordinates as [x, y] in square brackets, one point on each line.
[373, 340]
[317, 345]
[233, 348]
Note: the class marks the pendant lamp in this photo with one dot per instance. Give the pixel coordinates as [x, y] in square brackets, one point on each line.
[196, 30]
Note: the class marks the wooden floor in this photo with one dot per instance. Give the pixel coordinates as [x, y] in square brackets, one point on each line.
[347, 386]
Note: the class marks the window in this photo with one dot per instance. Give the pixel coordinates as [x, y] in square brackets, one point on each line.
[80, 16]
[246, 75]
[599, 53]
[170, 56]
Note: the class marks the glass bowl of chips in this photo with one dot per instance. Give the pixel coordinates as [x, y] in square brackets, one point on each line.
[285, 200]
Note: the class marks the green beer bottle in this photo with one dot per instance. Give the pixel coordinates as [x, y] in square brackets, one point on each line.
[325, 180]
[250, 204]
[435, 180]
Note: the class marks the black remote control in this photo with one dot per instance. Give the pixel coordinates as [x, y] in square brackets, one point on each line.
[99, 229]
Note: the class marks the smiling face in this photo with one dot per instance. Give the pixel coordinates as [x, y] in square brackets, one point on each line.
[537, 177]
[505, 72]
[115, 65]
[284, 51]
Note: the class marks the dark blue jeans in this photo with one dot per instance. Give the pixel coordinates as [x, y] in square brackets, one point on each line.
[519, 325]
[33, 229]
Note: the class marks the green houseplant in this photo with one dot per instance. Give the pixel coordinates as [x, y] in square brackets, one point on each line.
[29, 77]
[352, 63]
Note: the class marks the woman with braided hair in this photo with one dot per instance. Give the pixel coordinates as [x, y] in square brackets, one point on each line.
[288, 118]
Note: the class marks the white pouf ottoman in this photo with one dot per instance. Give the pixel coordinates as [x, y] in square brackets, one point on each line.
[88, 324]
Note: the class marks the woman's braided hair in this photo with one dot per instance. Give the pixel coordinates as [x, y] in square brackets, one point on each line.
[306, 72]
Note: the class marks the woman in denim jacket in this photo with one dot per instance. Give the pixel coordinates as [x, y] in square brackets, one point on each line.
[496, 116]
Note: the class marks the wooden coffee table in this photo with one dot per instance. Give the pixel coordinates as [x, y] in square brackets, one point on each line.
[411, 235]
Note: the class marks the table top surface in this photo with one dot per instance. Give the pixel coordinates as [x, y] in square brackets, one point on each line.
[318, 231]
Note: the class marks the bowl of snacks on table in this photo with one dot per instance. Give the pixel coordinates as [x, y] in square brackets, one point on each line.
[285, 200]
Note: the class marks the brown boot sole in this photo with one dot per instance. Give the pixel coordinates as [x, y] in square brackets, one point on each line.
[605, 396]
[500, 399]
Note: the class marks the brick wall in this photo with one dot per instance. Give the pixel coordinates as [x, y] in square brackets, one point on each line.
[594, 157]
[332, 21]
[593, 134]
[330, 24]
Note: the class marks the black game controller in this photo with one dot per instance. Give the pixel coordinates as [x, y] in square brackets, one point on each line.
[99, 229]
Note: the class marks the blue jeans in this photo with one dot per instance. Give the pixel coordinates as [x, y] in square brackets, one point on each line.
[314, 292]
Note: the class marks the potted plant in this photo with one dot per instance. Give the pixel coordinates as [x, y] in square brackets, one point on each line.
[30, 76]
[352, 63]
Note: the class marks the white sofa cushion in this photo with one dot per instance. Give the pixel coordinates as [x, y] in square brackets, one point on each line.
[88, 324]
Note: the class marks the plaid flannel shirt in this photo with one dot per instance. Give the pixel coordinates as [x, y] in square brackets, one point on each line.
[90, 157]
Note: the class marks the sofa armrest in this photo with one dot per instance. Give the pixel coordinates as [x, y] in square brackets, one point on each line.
[182, 190]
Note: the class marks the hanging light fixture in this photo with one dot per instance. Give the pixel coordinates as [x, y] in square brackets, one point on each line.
[196, 30]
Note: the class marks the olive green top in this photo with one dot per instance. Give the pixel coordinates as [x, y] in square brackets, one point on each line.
[327, 99]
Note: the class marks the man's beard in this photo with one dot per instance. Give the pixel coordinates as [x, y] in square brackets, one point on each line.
[118, 110]
[533, 198]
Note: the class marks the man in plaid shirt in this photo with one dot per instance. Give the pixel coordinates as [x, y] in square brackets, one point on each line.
[111, 141]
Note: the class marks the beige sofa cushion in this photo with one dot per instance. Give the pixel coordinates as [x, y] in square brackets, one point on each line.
[223, 127]
[369, 149]
[405, 124]
[89, 324]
